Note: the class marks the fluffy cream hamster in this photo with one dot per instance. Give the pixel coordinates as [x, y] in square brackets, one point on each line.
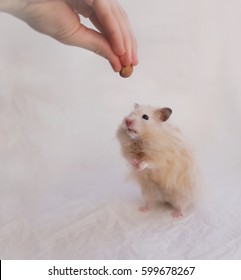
[161, 162]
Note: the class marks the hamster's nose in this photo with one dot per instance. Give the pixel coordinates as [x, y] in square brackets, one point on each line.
[128, 122]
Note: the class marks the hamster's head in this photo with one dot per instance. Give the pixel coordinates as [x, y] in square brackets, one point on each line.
[145, 120]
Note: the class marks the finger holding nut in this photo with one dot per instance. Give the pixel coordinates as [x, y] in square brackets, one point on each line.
[126, 71]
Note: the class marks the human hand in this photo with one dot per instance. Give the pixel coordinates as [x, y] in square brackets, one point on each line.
[60, 19]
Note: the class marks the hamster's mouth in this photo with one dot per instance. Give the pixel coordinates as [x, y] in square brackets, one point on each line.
[132, 131]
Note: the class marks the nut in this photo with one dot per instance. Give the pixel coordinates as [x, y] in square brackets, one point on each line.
[126, 71]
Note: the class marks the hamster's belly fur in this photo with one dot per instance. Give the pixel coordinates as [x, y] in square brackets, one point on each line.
[169, 180]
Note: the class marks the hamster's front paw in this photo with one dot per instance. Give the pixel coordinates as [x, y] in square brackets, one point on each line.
[139, 165]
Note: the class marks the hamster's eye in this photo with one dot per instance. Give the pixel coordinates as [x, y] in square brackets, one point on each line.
[145, 117]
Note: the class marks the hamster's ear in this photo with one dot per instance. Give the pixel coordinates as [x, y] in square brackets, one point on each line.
[136, 105]
[164, 113]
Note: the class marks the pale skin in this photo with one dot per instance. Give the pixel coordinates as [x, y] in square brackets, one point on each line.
[113, 39]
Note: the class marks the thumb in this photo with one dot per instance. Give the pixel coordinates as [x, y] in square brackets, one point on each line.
[94, 41]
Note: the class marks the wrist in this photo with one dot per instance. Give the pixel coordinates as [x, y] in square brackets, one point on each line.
[11, 6]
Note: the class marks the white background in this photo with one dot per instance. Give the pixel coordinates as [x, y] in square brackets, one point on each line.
[63, 187]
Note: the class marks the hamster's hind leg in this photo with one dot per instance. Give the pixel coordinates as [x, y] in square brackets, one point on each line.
[177, 213]
[145, 207]
[179, 205]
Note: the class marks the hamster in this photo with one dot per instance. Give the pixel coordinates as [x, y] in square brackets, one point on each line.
[161, 162]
